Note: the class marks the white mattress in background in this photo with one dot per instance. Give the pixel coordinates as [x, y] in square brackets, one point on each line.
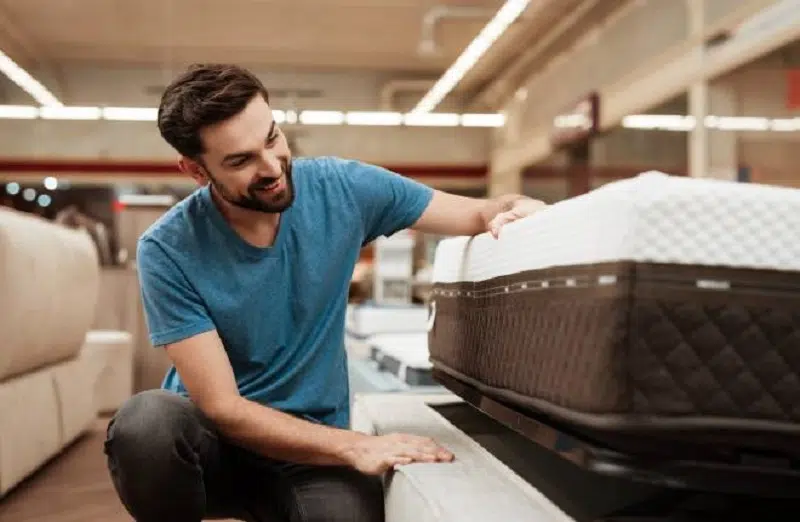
[366, 320]
[410, 349]
[649, 218]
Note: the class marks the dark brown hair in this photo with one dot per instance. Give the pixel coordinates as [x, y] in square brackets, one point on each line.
[203, 95]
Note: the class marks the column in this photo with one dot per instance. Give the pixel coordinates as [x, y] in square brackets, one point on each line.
[698, 95]
[499, 182]
[723, 154]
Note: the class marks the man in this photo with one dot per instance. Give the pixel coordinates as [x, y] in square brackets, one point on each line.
[244, 285]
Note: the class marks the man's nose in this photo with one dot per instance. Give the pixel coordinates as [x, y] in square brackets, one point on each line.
[271, 164]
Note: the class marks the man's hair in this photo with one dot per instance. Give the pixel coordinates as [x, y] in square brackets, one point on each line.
[203, 95]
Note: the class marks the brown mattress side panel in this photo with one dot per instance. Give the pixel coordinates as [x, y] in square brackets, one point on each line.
[726, 353]
[653, 343]
[565, 346]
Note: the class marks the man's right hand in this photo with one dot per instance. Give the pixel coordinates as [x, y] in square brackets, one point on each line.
[376, 454]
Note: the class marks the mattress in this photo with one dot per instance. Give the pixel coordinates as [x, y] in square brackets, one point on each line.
[655, 306]
[405, 356]
[366, 320]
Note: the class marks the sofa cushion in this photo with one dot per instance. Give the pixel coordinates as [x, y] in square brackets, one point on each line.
[74, 386]
[29, 426]
[49, 280]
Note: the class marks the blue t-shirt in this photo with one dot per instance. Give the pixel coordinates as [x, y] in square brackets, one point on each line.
[280, 311]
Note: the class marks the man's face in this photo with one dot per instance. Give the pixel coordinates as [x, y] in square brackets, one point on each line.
[247, 160]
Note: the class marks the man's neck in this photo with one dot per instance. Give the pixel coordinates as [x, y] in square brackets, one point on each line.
[255, 227]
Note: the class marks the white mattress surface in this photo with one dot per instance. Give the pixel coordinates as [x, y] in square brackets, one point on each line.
[367, 320]
[411, 349]
[652, 217]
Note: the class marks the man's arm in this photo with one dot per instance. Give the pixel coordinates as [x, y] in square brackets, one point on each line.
[389, 202]
[206, 372]
[178, 322]
[454, 215]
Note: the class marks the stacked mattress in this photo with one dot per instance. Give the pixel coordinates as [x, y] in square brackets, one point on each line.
[660, 306]
[363, 321]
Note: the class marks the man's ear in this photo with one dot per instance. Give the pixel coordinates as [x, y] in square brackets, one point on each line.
[193, 169]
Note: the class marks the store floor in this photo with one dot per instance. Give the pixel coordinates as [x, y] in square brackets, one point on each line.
[73, 487]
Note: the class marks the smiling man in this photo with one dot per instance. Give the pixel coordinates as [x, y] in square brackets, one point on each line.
[245, 285]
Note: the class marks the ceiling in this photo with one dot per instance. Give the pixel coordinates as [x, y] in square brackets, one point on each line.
[401, 38]
[315, 34]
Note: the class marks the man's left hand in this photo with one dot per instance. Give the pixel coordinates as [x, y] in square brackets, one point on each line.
[520, 208]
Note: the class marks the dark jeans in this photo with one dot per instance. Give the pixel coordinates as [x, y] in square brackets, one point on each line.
[169, 464]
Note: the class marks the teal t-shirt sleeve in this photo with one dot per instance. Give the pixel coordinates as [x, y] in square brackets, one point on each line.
[173, 309]
[387, 201]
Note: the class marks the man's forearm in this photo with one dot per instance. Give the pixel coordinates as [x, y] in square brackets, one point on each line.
[281, 436]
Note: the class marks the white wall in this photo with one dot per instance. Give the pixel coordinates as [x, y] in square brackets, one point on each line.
[761, 90]
[141, 140]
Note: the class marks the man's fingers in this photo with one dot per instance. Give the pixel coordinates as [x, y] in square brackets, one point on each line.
[399, 461]
[498, 221]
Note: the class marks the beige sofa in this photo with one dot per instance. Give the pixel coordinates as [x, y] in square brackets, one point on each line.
[52, 381]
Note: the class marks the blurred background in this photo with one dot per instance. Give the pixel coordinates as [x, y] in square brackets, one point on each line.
[550, 98]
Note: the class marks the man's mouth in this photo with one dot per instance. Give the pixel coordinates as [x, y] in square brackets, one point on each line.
[271, 187]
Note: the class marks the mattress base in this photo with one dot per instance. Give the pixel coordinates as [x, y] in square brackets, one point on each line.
[657, 457]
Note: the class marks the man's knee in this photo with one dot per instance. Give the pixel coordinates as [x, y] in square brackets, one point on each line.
[149, 423]
[153, 446]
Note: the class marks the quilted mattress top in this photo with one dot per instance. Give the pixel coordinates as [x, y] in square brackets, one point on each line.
[653, 217]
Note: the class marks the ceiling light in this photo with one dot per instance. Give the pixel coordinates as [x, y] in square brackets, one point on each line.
[130, 113]
[70, 113]
[50, 183]
[483, 120]
[785, 124]
[374, 118]
[26, 82]
[669, 122]
[507, 14]
[432, 119]
[322, 118]
[18, 112]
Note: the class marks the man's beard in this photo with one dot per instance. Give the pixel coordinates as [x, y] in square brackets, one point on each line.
[254, 200]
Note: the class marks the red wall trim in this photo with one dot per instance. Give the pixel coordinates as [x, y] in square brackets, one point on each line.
[169, 169]
[95, 167]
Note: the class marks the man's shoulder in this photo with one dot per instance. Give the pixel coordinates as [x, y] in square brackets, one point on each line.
[174, 226]
[318, 167]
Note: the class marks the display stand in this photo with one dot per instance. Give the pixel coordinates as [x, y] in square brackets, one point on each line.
[692, 489]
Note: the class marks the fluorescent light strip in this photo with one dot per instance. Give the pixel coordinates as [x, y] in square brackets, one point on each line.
[507, 14]
[359, 118]
[374, 118]
[130, 113]
[432, 119]
[18, 112]
[681, 123]
[667, 122]
[321, 118]
[26, 82]
[70, 113]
